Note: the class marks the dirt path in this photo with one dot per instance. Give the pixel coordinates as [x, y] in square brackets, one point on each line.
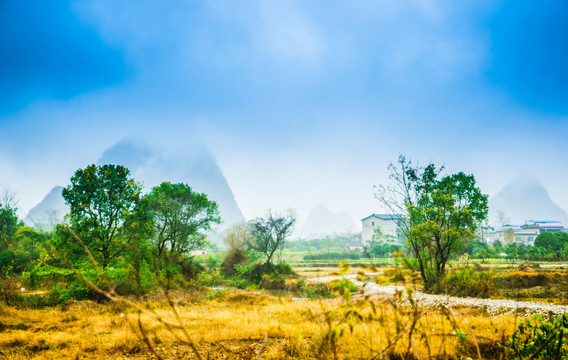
[492, 306]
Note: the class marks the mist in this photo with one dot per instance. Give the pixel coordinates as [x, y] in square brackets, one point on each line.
[299, 103]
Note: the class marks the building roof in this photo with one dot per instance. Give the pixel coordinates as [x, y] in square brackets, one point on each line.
[384, 217]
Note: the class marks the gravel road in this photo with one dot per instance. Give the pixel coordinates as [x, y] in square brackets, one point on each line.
[491, 306]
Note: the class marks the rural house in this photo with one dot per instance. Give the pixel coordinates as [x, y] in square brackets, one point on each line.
[387, 225]
[525, 234]
[355, 244]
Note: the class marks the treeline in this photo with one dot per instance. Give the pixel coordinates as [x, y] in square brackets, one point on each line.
[338, 243]
[118, 238]
[548, 246]
[376, 251]
[337, 248]
[114, 236]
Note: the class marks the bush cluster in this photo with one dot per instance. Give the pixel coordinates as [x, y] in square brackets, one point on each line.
[468, 282]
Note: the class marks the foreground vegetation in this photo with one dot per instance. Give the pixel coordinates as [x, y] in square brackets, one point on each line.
[236, 324]
[242, 325]
[119, 239]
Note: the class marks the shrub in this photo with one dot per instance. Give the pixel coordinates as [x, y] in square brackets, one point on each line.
[240, 283]
[212, 263]
[292, 285]
[65, 285]
[61, 294]
[468, 281]
[410, 263]
[529, 279]
[211, 278]
[273, 281]
[8, 291]
[6, 259]
[48, 276]
[268, 276]
[540, 338]
[343, 284]
[234, 257]
[190, 268]
[397, 274]
[129, 281]
[284, 269]
[314, 290]
[254, 273]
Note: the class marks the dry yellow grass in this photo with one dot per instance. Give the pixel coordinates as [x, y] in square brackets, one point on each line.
[236, 326]
[315, 271]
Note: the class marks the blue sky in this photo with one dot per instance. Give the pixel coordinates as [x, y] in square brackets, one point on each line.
[301, 102]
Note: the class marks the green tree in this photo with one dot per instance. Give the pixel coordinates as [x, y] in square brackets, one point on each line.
[498, 245]
[101, 199]
[381, 249]
[268, 234]
[442, 213]
[551, 241]
[138, 230]
[30, 244]
[381, 245]
[8, 226]
[181, 218]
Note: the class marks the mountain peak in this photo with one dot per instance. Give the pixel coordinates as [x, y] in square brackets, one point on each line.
[322, 221]
[195, 167]
[49, 211]
[524, 198]
[127, 152]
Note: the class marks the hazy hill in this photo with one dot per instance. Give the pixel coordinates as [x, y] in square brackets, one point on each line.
[150, 167]
[49, 211]
[525, 199]
[197, 168]
[322, 221]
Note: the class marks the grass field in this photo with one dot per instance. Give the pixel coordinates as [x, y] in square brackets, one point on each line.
[241, 325]
[229, 324]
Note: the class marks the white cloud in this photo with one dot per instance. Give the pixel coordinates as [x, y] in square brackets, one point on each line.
[288, 35]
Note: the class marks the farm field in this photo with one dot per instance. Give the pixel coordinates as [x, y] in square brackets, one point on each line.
[236, 324]
[241, 325]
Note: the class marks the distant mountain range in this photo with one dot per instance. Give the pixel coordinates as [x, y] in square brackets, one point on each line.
[49, 211]
[198, 169]
[521, 200]
[524, 199]
[321, 221]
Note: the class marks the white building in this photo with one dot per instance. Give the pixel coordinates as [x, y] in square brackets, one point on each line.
[198, 252]
[524, 234]
[387, 225]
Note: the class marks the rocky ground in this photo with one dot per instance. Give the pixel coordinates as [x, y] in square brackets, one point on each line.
[491, 306]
